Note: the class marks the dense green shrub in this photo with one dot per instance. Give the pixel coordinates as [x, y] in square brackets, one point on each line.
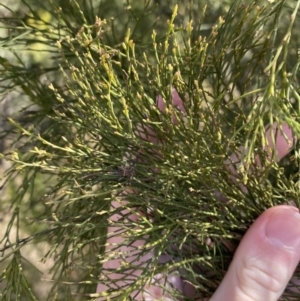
[82, 79]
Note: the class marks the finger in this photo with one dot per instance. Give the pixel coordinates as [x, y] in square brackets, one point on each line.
[146, 132]
[126, 263]
[279, 141]
[113, 276]
[265, 259]
[176, 101]
[283, 139]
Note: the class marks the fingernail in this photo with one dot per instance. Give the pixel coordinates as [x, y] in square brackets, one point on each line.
[283, 228]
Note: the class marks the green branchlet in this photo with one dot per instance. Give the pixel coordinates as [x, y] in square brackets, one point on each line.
[96, 131]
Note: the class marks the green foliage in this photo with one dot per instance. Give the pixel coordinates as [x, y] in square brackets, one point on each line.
[85, 134]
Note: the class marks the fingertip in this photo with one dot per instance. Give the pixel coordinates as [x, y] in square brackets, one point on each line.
[177, 101]
[160, 103]
[284, 139]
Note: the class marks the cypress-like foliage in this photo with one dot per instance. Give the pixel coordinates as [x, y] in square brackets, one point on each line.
[142, 140]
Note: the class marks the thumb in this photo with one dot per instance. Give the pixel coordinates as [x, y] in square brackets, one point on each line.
[265, 259]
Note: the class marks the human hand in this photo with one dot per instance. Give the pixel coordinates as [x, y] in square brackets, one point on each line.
[263, 263]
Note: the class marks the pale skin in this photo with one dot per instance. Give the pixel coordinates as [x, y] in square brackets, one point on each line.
[262, 265]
